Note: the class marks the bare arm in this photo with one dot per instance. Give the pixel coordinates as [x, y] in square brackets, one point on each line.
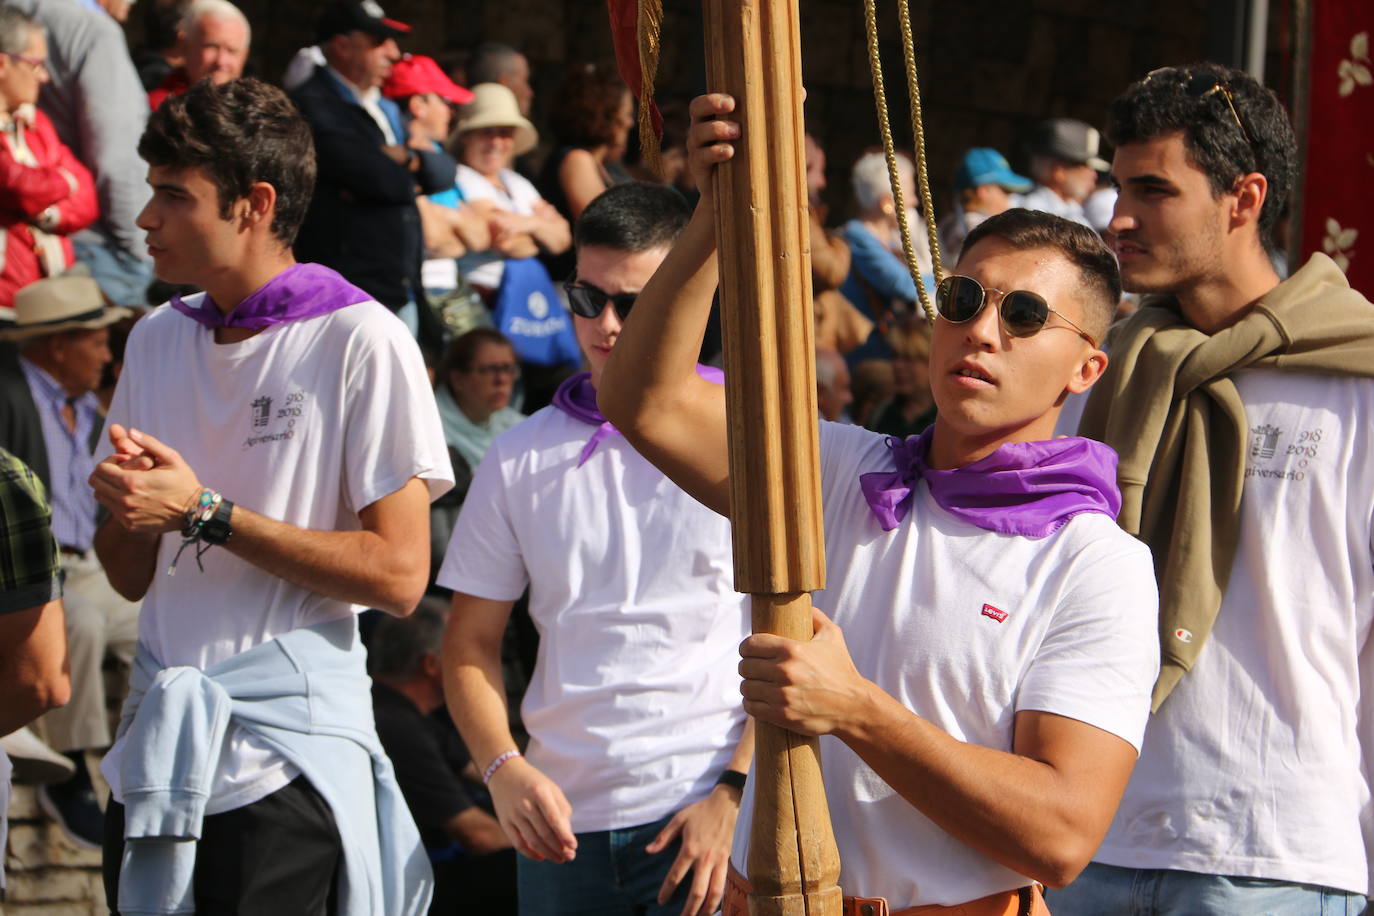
[531, 808]
[384, 565]
[708, 830]
[581, 180]
[1041, 809]
[33, 664]
[651, 390]
[476, 831]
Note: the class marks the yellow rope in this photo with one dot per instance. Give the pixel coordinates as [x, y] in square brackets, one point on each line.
[918, 133]
[889, 148]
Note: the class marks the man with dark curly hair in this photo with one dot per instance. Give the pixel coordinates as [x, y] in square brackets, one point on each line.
[1242, 408]
[275, 447]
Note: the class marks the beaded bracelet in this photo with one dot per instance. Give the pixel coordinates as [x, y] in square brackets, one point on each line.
[201, 510]
[500, 761]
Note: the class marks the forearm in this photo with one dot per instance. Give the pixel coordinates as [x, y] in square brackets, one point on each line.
[474, 689]
[744, 751]
[651, 390]
[34, 675]
[360, 567]
[551, 233]
[129, 558]
[1015, 810]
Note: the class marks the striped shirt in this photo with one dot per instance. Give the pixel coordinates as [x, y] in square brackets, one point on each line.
[70, 461]
[30, 569]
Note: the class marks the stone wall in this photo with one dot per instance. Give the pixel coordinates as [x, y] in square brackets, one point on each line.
[47, 874]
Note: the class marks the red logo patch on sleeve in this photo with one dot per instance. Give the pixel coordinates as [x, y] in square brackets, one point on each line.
[996, 614]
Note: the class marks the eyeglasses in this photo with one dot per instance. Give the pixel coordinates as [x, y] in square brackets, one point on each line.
[1202, 86]
[493, 370]
[36, 64]
[590, 302]
[1023, 313]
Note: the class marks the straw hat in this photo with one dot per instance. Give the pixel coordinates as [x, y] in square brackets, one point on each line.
[61, 304]
[493, 105]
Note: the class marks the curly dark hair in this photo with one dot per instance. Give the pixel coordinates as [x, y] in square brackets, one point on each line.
[1175, 100]
[1097, 267]
[241, 132]
[584, 112]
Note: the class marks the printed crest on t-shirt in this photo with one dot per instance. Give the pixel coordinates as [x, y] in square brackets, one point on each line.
[269, 423]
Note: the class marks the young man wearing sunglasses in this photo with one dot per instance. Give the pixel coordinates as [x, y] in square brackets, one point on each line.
[1242, 408]
[638, 745]
[984, 683]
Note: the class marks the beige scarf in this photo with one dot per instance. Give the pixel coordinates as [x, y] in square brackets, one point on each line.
[1168, 406]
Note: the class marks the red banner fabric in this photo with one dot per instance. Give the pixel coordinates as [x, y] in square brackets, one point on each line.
[1338, 188]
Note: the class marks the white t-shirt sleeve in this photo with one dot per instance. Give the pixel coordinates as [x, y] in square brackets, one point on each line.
[484, 558]
[1100, 656]
[393, 431]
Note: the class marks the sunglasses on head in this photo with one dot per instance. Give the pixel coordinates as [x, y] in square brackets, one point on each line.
[589, 301]
[1022, 312]
[1204, 86]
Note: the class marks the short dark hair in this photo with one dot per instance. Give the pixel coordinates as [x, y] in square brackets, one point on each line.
[1026, 229]
[633, 217]
[399, 644]
[1163, 103]
[585, 109]
[462, 350]
[238, 133]
[489, 62]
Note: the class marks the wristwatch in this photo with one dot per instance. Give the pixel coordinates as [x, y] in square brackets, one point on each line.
[217, 529]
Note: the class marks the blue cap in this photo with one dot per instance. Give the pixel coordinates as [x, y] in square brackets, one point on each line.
[982, 165]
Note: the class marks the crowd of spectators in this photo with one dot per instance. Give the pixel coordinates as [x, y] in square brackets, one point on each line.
[431, 196]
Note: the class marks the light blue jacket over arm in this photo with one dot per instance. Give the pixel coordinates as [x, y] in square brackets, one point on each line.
[308, 695]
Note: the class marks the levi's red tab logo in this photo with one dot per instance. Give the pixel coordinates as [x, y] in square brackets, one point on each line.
[996, 614]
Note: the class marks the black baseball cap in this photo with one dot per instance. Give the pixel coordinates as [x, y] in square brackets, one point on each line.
[343, 16]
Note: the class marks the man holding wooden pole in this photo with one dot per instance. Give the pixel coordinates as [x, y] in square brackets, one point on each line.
[985, 681]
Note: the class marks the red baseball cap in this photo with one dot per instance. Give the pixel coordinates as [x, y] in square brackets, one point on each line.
[416, 74]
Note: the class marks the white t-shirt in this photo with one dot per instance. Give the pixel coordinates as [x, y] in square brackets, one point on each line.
[1259, 762]
[634, 707]
[484, 268]
[308, 423]
[966, 627]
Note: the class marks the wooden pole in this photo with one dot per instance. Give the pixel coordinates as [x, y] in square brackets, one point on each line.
[753, 53]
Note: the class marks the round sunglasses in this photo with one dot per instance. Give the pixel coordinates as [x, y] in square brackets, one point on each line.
[1022, 312]
[590, 302]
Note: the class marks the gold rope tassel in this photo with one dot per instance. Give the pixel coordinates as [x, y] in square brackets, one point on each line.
[889, 148]
[649, 26]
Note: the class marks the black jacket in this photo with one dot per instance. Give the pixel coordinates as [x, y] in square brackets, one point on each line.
[21, 431]
[362, 219]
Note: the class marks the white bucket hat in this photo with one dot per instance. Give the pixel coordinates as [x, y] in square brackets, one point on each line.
[61, 304]
[493, 105]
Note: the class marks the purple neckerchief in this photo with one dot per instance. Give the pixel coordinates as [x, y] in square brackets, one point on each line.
[1024, 488]
[301, 291]
[577, 398]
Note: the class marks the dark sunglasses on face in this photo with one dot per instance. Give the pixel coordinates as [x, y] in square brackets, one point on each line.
[589, 302]
[492, 370]
[1023, 313]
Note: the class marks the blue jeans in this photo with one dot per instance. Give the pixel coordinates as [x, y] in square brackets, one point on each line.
[1106, 890]
[611, 875]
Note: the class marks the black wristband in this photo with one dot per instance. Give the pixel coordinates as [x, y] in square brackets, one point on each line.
[217, 530]
[732, 778]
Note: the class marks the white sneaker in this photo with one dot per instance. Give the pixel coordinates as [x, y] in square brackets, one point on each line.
[34, 762]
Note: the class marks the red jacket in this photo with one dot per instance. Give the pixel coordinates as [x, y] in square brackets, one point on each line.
[25, 192]
[174, 83]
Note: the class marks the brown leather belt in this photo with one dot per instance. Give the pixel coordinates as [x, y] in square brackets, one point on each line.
[1025, 901]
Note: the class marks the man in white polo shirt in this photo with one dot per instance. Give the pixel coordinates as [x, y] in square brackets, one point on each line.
[638, 744]
[984, 684]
